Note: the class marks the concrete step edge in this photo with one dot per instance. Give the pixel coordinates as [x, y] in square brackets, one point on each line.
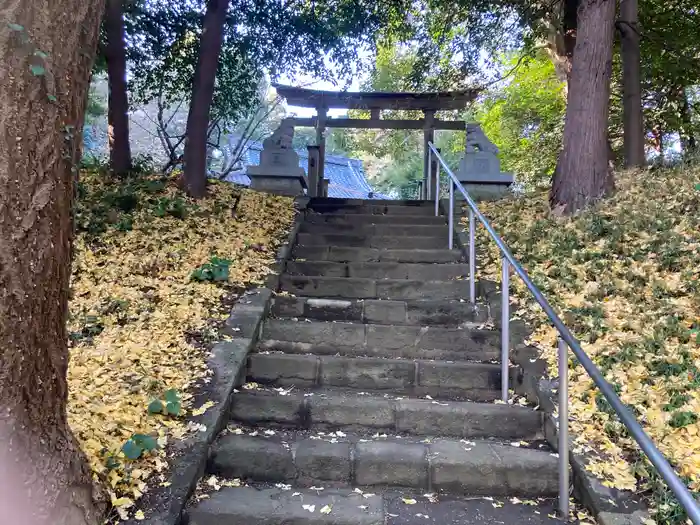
[274, 506]
[352, 410]
[389, 336]
[364, 288]
[452, 313]
[410, 354]
[455, 466]
[370, 218]
[405, 238]
[355, 254]
[439, 379]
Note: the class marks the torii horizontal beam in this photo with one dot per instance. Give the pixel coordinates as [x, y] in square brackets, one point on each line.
[360, 123]
[311, 98]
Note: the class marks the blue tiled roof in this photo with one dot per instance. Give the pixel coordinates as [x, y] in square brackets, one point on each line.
[346, 177]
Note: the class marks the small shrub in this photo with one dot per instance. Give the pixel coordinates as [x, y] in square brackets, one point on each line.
[137, 444]
[170, 405]
[216, 269]
[683, 419]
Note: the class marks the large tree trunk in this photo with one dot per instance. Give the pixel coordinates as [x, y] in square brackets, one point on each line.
[44, 476]
[195, 176]
[582, 174]
[633, 124]
[118, 112]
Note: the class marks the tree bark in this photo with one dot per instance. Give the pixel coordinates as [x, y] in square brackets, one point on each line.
[582, 174]
[118, 112]
[561, 40]
[46, 52]
[195, 175]
[633, 124]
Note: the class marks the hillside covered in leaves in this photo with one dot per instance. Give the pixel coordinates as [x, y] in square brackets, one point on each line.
[153, 272]
[625, 277]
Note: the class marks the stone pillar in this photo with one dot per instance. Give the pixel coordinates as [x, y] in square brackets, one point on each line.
[279, 171]
[428, 136]
[480, 169]
[321, 139]
[314, 180]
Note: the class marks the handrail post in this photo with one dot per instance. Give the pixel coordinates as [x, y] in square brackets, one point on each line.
[430, 159]
[472, 257]
[437, 186]
[505, 327]
[563, 429]
[450, 221]
[426, 175]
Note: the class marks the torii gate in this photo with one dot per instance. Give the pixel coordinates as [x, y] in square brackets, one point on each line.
[375, 102]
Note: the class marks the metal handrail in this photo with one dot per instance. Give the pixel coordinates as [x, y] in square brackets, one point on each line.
[566, 340]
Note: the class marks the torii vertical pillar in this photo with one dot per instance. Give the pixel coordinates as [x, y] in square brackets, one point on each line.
[321, 113]
[428, 136]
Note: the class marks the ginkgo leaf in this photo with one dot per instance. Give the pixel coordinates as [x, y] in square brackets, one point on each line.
[409, 501]
[326, 509]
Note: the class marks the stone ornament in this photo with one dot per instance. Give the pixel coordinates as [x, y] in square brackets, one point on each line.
[480, 169]
[478, 141]
[277, 148]
[279, 171]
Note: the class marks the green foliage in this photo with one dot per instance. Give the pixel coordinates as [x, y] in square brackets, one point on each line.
[174, 206]
[113, 203]
[96, 106]
[274, 36]
[91, 326]
[525, 119]
[683, 419]
[170, 405]
[217, 269]
[137, 444]
[37, 70]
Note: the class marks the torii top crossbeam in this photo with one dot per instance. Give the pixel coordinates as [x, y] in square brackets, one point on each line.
[311, 98]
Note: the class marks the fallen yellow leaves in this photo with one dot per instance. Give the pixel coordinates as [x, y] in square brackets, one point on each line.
[625, 277]
[141, 326]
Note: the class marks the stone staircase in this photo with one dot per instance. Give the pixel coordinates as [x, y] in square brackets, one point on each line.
[370, 398]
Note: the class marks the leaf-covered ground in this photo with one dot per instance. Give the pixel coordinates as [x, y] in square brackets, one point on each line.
[625, 277]
[151, 271]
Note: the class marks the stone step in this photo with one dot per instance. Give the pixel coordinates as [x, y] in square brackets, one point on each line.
[349, 254]
[444, 465]
[421, 313]
[373, 208]
[274, 506]
[352, 228]
[482, 341]
[412, 353]
[334, 201]
[380, 270]
[358, 288]
[353, 411]
[439, 379]
[261, 505]
[433, 509]
[373, 241]
[367, 218]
